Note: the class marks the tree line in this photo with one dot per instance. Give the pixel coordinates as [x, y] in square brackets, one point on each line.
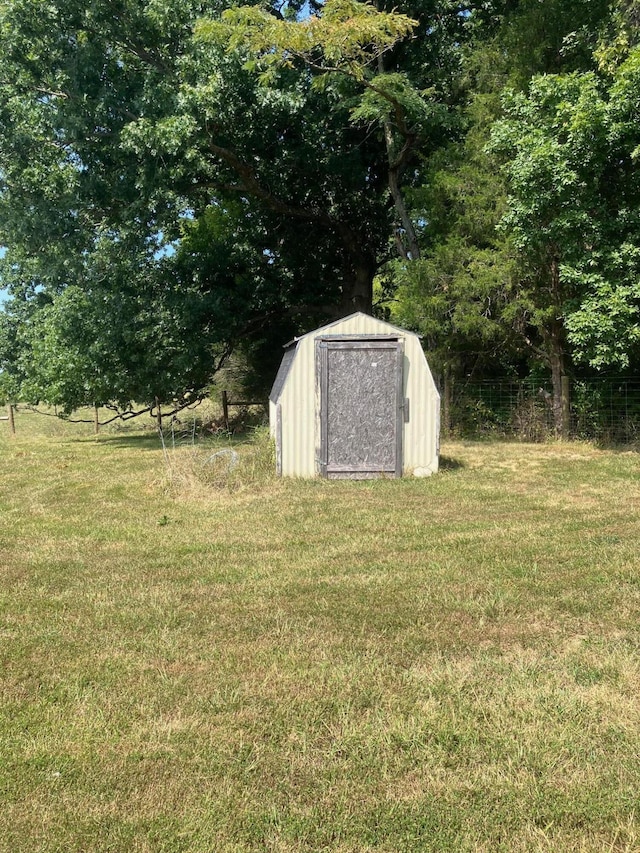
[187, 181]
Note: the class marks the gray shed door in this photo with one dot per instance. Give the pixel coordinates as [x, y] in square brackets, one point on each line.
[361, 408]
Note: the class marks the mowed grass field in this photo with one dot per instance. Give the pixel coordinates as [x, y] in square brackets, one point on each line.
[449, 664]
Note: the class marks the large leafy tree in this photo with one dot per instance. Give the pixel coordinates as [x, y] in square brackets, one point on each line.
[553, 139]
[351, 49]
[127, 127]
[571, 145]
[486, 293]
[462, 294]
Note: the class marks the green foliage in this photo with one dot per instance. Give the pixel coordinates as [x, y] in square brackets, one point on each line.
[574, 191]
[390, 95]
[534, 264]
[349, 35]
[462, 295]
[182, 178]
[349, 41]
[554, 141]
[605, 329]
[11, 375]
[122, 139]
[459, 296]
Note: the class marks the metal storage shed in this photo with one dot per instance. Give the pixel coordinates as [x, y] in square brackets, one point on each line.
[355, 399]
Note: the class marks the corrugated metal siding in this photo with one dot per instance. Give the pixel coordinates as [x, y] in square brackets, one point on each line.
[298, 414]
[421, 436]
[299, 399]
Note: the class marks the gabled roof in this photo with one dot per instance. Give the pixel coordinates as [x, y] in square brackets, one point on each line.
[283, 372]
[327, 328]
[291, 347]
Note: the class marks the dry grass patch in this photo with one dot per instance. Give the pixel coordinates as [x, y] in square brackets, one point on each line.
[198, 470]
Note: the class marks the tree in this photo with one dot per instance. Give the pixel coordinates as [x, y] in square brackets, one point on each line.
[480, 294]
[570, 146]
[10, 376]
[141, 330]
[128, 129]
[125, 120]
[552, 140]
[604, 326]
[462, 294]
[349, 41]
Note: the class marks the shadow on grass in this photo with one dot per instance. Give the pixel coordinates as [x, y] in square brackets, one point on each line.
[151, 441]
[448, 463]
[137, 442]
[616, 446]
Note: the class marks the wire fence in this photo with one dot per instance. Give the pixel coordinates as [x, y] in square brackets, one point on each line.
[604, 409]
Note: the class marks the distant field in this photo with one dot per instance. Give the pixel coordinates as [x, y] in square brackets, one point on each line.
[192, 661]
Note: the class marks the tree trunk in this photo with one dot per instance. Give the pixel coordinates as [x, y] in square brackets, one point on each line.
[566, 407]
[406, 238]
[225, 409]
[559, 380]
[357, 288]
[556, 384]
[555, 347]
[405, 233]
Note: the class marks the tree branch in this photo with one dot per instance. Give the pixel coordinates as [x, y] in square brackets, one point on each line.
[252, 185]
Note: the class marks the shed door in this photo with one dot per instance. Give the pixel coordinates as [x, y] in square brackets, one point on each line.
[361, 408]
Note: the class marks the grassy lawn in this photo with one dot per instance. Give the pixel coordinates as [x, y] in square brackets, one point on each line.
[450, 664]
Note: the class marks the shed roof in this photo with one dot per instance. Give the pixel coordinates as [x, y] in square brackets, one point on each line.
[292, 345]
[326, 328]
[283, 372]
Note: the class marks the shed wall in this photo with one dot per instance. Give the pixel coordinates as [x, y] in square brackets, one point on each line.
[422, 432]
[298, 415]
[301, 408]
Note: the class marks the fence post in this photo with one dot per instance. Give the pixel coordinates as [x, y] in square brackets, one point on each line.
[96, 419]
[225, 409]
[12, 422]
[566, 407]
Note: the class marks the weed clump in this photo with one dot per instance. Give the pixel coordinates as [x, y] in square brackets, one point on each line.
[223, 465]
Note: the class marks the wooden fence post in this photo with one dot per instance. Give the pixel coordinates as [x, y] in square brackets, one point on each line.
[96, 419]
[12, 421]
[225, 409]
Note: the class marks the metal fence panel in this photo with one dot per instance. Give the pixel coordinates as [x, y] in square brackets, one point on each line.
[602, 409]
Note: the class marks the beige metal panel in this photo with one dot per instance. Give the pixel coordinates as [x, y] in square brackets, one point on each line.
[422, 431]
[358, 324]
[298, 415]
[272, 419]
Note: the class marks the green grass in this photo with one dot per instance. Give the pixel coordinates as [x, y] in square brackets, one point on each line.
[191, 662]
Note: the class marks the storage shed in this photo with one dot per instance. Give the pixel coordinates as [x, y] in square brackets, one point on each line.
[355, 399]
